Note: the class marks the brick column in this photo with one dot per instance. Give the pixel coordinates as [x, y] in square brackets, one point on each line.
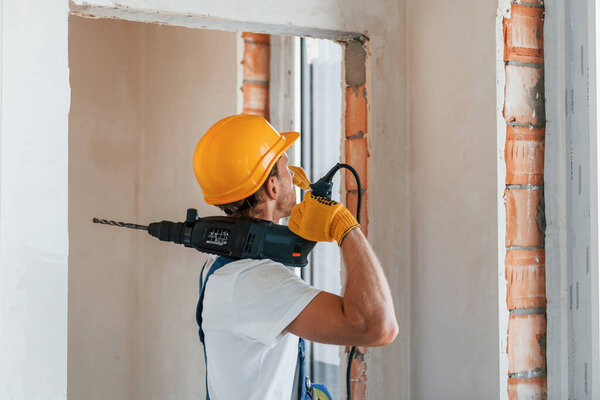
[524, 113]
[257, 61]
[357, 155]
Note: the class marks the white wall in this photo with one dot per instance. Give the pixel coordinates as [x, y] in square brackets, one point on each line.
[142, 96]
[33, 200]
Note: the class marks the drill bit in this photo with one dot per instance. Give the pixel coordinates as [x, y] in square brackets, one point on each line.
[120, 224]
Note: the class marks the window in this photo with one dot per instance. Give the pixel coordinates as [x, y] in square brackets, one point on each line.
[321, 109]
[306, 95]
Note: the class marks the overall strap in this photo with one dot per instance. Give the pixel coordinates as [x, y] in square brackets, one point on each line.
[216, 265]
[302, 382]
[306, 389]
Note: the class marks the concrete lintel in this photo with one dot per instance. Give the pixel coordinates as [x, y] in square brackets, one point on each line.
[205, 21]
[355, 59]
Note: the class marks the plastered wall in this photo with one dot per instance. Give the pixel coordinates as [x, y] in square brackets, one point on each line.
[453, 206]
[142, 95]
[33, 200]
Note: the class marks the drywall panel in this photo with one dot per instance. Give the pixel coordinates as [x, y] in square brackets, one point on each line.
[33, 200]
[142, 96]
[578, 201]
[572, 210]
[555, 171]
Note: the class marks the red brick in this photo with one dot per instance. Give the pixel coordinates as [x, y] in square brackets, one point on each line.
[527, 389]
[524, 133]
[358, 377]
[521, 212]
[351, 203]
[256, 99]
[356, 111]
[526, 279]
[257, 59]
[524, 156]
[524, 95]
[257, 37]
[526, 343]
[357, 154]
[524, 35]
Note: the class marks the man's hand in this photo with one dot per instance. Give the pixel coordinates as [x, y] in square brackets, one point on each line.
[321, 219]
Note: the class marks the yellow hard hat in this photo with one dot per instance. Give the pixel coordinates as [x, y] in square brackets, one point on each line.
[234, 157]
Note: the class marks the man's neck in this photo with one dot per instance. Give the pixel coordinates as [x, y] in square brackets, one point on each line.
[267, 213]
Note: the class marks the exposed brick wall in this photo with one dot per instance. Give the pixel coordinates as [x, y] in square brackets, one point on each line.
[525, 117]
[257, 61]
[356, 146]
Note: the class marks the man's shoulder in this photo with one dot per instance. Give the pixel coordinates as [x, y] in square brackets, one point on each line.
[248, 262]
[251, 266]
[247, 277]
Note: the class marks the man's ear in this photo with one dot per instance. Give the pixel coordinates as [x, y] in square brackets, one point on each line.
[271, 189]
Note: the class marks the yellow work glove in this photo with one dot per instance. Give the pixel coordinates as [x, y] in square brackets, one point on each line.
[300, 179]
[321, 220]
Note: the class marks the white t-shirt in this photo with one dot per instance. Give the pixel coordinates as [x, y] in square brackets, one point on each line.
[247, 305]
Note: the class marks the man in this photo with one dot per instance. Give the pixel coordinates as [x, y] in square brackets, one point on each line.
[253, 311]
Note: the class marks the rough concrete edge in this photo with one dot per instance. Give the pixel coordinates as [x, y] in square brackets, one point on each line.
[555, 202]
[239, 57]
[502, 12]
[343, 353]
[374, 386]
[203, 21]
[369, 96]
[366, 61]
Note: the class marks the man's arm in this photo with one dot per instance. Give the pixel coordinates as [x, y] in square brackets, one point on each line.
[364, 316]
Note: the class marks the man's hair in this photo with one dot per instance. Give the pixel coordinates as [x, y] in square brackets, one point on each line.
[243, 208]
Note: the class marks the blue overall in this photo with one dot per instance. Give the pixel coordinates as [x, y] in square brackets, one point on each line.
[305, 388]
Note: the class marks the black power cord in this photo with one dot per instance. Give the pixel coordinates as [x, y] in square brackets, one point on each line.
[358, 208]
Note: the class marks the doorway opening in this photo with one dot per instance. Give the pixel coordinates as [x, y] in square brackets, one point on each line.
[141, 96]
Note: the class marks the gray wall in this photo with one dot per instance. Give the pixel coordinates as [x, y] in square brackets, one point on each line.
[453, 200]
[141, 97]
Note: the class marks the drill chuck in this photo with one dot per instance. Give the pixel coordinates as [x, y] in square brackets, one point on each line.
[167, 231]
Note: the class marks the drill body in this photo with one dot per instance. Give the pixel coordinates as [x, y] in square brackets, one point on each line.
[236, 237]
